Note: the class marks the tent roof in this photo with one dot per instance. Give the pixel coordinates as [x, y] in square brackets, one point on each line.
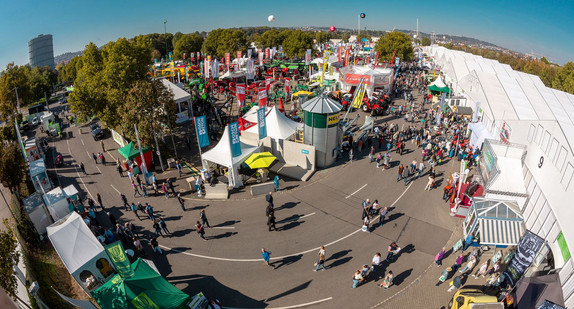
[53, 196]
[251, 114]
[146, 284]
[130, 151]
[278, 125]
[179, 95]
[221, 153]
[322, 105]
[74, 242]
[531, 292]
[37, 167]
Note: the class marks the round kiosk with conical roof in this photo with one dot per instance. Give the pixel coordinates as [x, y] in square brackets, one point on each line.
[321, 115]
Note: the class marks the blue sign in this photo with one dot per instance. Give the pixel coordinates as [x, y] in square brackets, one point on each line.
[304, 151]
[261, 123]
[439, 113]
[201, 130]
[234, 139]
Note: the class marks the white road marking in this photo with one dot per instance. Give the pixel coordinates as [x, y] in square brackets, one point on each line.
[99, 169]
[223, 227]
[293, 306]
[305, 216]
[115, 188]
[115, 159]
[81, 179]
[82, 142]
[361, 188]
[284, 256]
[89, 155]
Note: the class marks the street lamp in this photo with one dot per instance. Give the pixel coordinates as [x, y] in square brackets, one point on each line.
[165, 38]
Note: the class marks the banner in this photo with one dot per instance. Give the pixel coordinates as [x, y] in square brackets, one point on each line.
[439, 112]
[262, 96]
[201, 131]
[376, 58]
[215, 68]
[267, 83]
[234, 139]
[260, 57]
[526, 251]
[325, 63]
[249, 69]
[191, 57]
[238, 55]
[346, 63]
[287, 81]
[266, 53]
[228, 60]
[207, 67]
[358, 93]
[308, 57]
[198, 55]
[240, 92]
[274, 53]
[119, 259]
[249, 53]
[340, 54]
[261, 123]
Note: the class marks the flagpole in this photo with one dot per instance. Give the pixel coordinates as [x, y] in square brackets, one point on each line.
[144, 167]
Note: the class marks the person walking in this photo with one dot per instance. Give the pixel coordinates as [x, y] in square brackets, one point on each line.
[320, 263]
[125, 201]
[382, 215]
[163, 225]
[438, 258]
[406, 175]
[83, 168]
[144, 190]
[269, 199]
[181, 201]
[130, 175]
[170, 186]
[400, 172]
[271, 221]
[469, 265]
[136, 191]
[430, 183]
[135, 210]
[99, 198]
[266, 255]
[456, 283]
[379, 158]
[165, 191]
[178, 167]
[203, 218]
[120, 170]
[392, 250]
[376, 262]
[421, 169]
[155, 245]
[200, 230]
[481, 270]
[154, 185]
[149, 211]
[157, 228]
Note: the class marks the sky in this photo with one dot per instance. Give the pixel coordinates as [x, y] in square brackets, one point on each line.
[542, 27]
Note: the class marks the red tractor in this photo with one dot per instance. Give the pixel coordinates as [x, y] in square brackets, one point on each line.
[377, 104]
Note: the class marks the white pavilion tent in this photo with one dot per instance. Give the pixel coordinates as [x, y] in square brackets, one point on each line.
[180, 96]
[278, 125]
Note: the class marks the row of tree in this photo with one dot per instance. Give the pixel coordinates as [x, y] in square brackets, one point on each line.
[552, 75]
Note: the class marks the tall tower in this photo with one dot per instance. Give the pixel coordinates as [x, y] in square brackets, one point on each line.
[41, 51]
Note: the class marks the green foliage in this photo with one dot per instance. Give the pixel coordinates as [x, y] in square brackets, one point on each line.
[158, 42]
[426, 41]
[107, 75]
[8, 259]
[12, 166]
[345, 37]
[323, 36]
[149, 104]
[364, 36]
[395, 41]
[272, 38]
[297, 43]
[186, 44]
[67, 73]
[221, 41]
[564, 79]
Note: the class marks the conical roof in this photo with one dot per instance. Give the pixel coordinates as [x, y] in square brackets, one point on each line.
[322, 105]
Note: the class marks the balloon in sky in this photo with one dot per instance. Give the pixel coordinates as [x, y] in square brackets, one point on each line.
[362, 15]
[271, 18]
[332, 29]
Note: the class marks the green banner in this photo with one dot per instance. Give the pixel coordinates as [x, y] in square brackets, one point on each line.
[563, 247]
[119, 259]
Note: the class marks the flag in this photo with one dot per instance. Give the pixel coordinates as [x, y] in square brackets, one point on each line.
[260, 57]
[287, 81]
[215, 68]
[228, 60]
[340, 54]
[249, 69]
[119, 259]
[376, 58]
[325, 63]
[240, 92]
[266, 53]
[267, 83]
[346, 63]
[261, 123]
[201, 131]
[308, 57]
[234, 141]
[262, 96]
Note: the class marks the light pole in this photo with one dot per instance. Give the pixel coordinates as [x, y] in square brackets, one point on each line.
[165, 38]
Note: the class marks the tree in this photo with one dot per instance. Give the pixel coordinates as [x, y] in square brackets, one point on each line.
[345, 37]
[156, 55]
[67, 73]
[178, 35]
[188, 43]
[564, 79]
[13, 77]
[8, 259]
[272, 38]
[395, 41]
[12, 166]
[426, 41]
[297, 43]
[362, 36]
[150, 105]
[221, 41]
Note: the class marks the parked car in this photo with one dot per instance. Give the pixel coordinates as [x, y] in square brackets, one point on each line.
[96, 131]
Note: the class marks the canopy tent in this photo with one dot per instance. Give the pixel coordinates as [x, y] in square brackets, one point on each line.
[80, 251]
[251, 114]
[181, 98]
[495, 222]
[278, 125]
[531, 292]
[130, 151]
[221, 154]
[439, 86]
[478, 134]
[145, 287]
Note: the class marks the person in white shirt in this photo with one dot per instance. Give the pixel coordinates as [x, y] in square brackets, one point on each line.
[376, 261]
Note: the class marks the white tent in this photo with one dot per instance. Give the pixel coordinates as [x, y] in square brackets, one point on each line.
[180, 96]
[278, 125]
[251, 114]
[479, 134]
[438, 82]
[221, 154]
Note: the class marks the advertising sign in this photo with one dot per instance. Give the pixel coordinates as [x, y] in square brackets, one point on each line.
[234, 139]
[262, 96]
[120, 260]
[201, 130]
[526, 251]
[261, 123]
[227, 60]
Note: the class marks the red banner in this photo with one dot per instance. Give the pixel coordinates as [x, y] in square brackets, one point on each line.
[353, 79]
[240, 92]
[287, 81]
[262, 95]
[347, 52]
[376, 58]
[266, 53]
[227, 60]
[267, 83]
[238, 55]
[340, 54]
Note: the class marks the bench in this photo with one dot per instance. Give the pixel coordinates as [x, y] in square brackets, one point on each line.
[262, 188]
[217, 192]
[291, 171]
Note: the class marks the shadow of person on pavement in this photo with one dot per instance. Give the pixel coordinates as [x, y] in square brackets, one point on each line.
[219, 236]
[400, 278]
[287, 261]
[338, 254]
[287, 205]
[290, 225]
[290, 291]
[339, 262]
[227, 223]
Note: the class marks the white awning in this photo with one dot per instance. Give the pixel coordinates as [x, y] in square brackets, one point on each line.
[500, 232]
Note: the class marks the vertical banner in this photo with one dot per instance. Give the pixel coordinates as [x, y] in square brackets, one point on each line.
[238, 60]
[526, 251]
[266, 53]
[262, 96]
[234, 139]
[207, 67]
[191, 57]
[240, 92]
[325, 63]
[274, 53]
[340, 54]
[439, 112]
[287, 82]
[261, 123]
[249, 51]
[249, 69]
[119, 259]
[201, 131]
[215, 68]
[346, 62]
[260, 57]
[228, 60]
[308, 57]
[267, 83]
[376, 58]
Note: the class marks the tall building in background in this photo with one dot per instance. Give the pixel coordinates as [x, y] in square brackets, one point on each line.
[41, 51]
